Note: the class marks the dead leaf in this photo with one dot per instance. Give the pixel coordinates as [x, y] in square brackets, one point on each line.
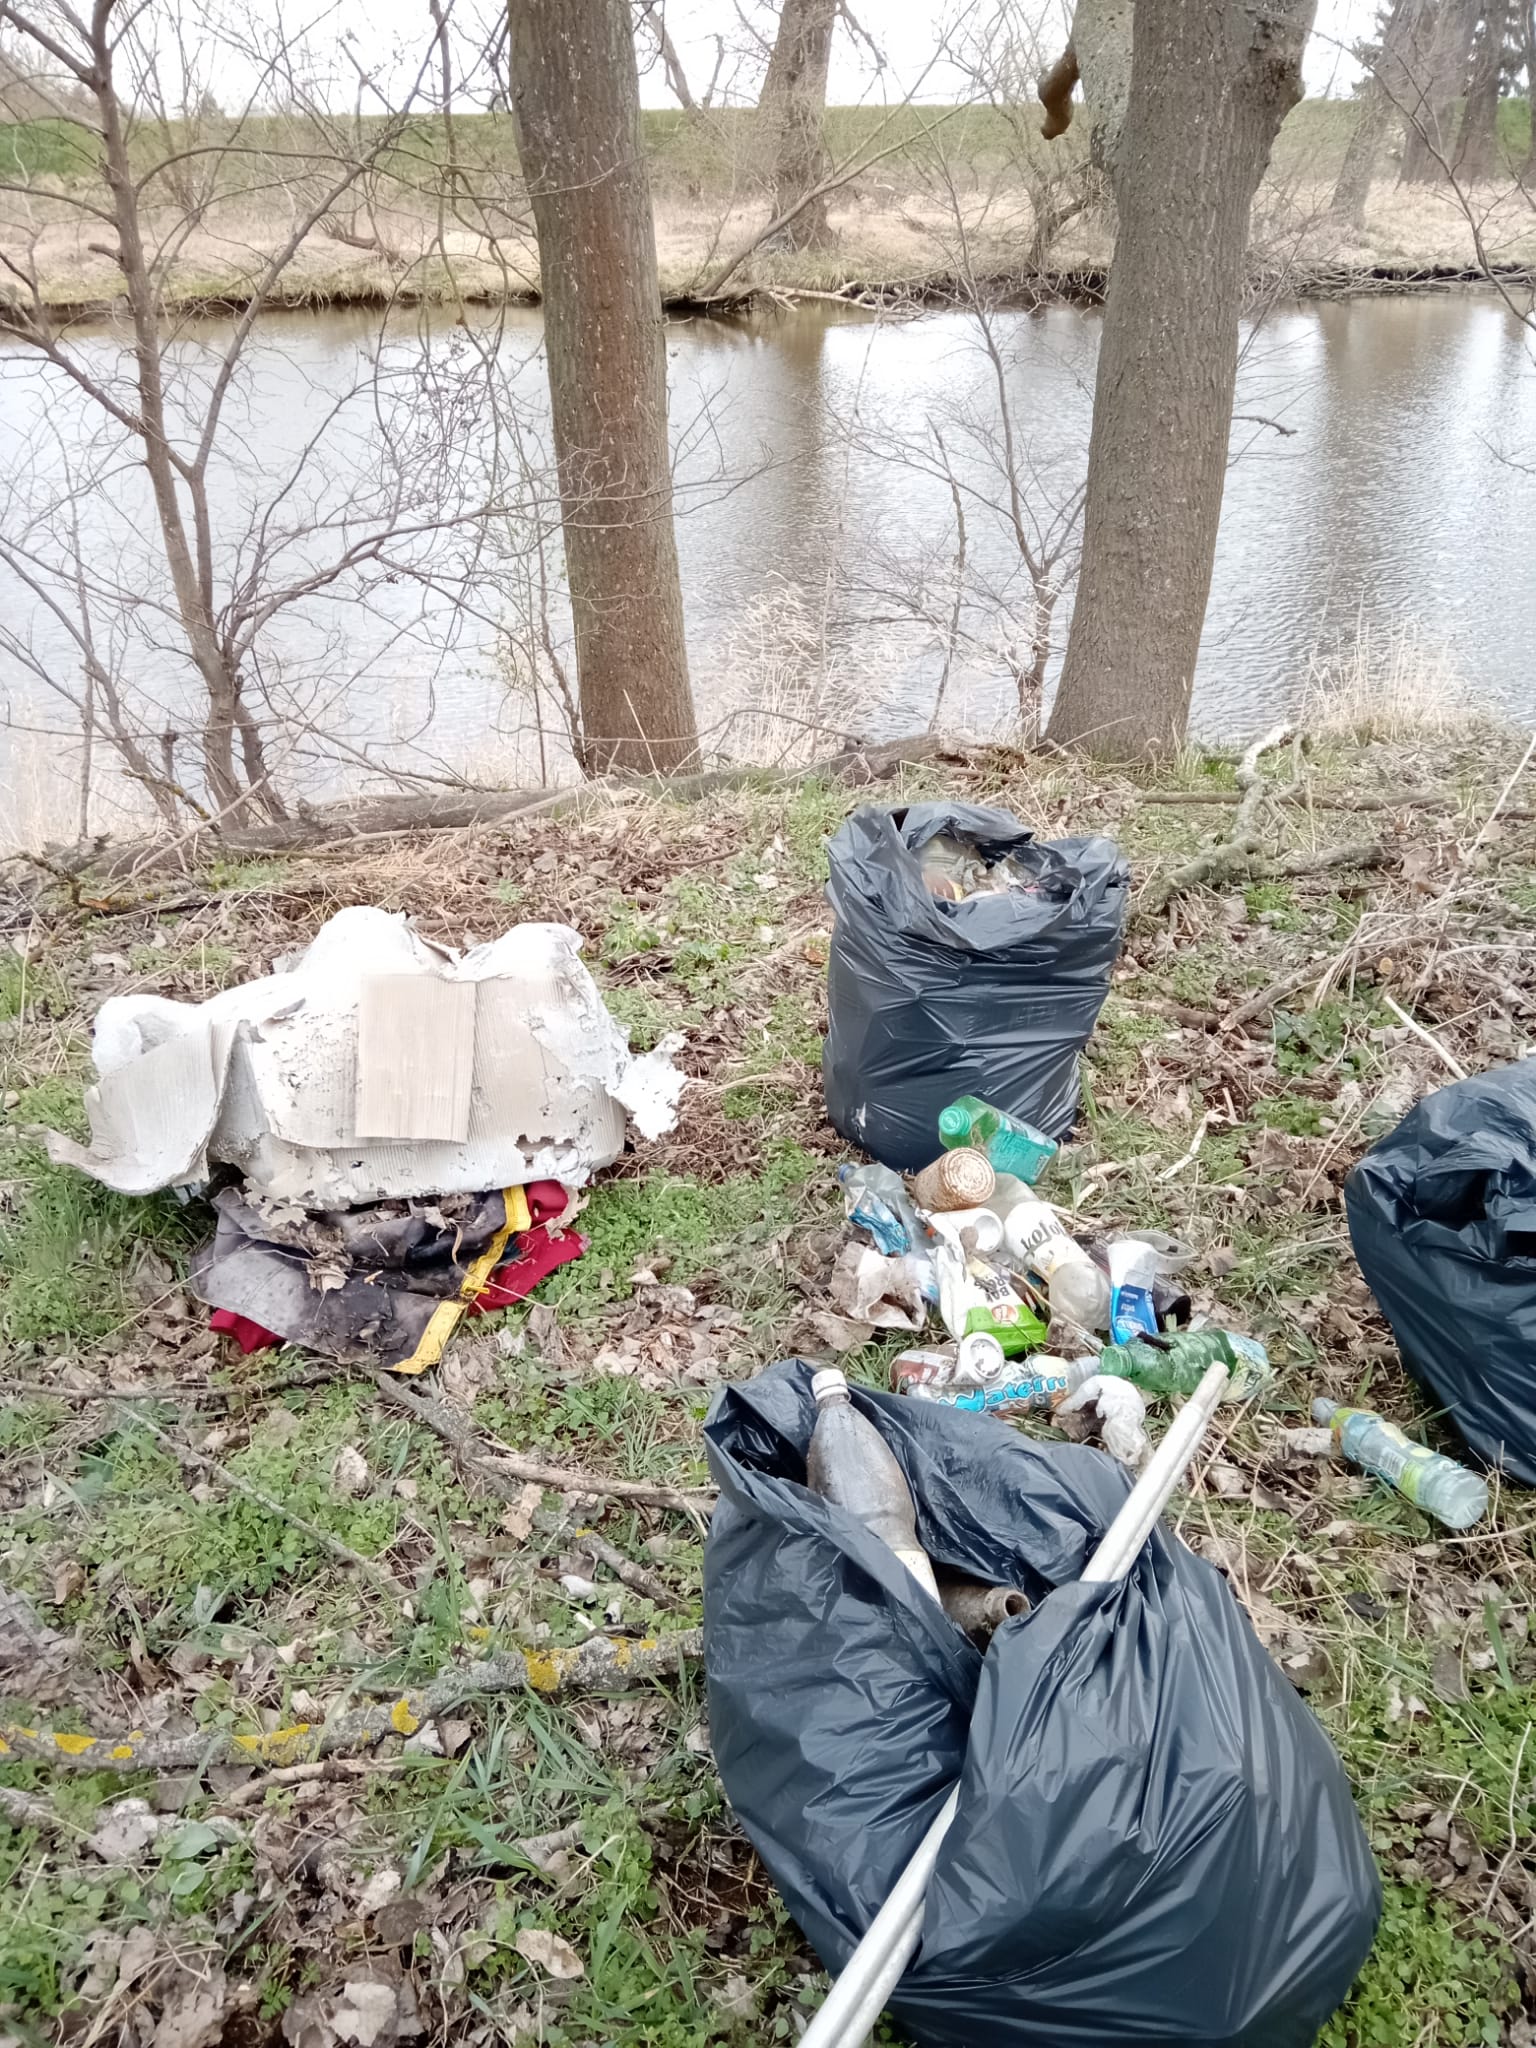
[1446, 1674]
[517, 1520]
[379, 1889]
[194, 2016]
[363, 2012]
[349, 1473]
[548, 1952]
[68, 1580]
[838, 1333]
[126, 1831]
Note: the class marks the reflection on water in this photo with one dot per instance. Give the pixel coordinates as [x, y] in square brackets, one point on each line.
[821, 456]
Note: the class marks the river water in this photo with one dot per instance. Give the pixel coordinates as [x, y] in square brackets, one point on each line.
[821, 457]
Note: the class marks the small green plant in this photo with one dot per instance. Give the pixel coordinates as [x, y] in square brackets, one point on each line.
[1276, 903]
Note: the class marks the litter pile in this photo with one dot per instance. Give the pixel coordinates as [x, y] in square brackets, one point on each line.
[1037, 1317]
[404, 1130]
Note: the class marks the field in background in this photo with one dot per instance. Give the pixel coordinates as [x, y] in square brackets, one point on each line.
[894, 222]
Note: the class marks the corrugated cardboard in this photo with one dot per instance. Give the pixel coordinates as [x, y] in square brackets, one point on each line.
[272, 1077]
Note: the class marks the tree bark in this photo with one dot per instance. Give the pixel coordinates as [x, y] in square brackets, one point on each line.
[1211, 81]
[576, 112]
[1477, 139]
[1430, 101]
[792, 107]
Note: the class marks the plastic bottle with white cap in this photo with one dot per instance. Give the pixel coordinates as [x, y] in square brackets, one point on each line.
[851, 1464]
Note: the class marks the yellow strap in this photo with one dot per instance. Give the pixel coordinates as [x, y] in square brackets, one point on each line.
[444, 1319]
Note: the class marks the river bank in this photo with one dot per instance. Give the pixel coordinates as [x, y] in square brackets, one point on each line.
[890, 253]
[589, 1828]
[929, 200]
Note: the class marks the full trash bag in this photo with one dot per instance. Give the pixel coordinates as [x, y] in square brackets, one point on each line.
[1155, 1840]
[1442, 1216]
[929, 1000]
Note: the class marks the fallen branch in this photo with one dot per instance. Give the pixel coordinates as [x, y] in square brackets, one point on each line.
[22, 1810]
[328, 1769]
[336, 832]
[635, 1576]
[602, 1664]
[1233, 857]
[498, 1467]
[1411, 800]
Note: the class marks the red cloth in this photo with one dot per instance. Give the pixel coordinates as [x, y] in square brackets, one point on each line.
[538, 1254]
[546, 1199]
[248, 1335]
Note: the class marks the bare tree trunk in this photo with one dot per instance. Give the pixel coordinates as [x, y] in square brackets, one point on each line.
[576, 109]
[159, 459]
[1478, 137]
[1430, 103]
[1528, 43]
[1372, 128]
[793, 108]
[1210, 84]
[1381, 100]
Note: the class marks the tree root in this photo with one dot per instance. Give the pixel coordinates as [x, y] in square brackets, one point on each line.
[602, 1664]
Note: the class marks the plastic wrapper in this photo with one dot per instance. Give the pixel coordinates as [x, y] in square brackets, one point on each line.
[1155, 1840]
[1442, 1216]
[995, 996]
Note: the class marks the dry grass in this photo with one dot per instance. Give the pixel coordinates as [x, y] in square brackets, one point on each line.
[1390, 683]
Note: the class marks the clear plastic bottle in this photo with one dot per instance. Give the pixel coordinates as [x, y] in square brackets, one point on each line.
[1438, 1485]
[1012, 1145]
[1176, 1364]
[877, 1199]
[1075, 1287]
[852, 1465]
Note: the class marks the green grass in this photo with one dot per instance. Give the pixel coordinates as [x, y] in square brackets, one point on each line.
[66, 1254]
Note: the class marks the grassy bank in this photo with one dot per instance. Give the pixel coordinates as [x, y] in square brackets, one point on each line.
[436, 238]
[172, 1602]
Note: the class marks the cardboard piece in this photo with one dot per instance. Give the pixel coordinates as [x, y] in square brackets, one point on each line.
[511, 1062]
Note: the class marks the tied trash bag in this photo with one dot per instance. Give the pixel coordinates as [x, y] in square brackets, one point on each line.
[1155, 1840]
[995, 996]
[1442, 1216]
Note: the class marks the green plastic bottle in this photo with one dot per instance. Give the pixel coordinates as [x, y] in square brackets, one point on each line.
[1176, 1364]
[1011, 1145]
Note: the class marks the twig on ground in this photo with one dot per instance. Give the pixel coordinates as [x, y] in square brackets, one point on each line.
[1423, 1032]
[645, 1583]
[497, 1466]
[1188, 1158]
[332, 1545]
[328, 1768]
[602, 1664]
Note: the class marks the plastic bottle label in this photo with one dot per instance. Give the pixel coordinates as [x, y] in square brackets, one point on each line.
[1038, 1390]
[1392, 1455]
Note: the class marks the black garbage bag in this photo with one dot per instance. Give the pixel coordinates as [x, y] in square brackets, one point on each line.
[1155, 1840]
[929, 1000]
[1442, 1216]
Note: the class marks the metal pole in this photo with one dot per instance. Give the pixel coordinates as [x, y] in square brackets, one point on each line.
[871, 1973]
